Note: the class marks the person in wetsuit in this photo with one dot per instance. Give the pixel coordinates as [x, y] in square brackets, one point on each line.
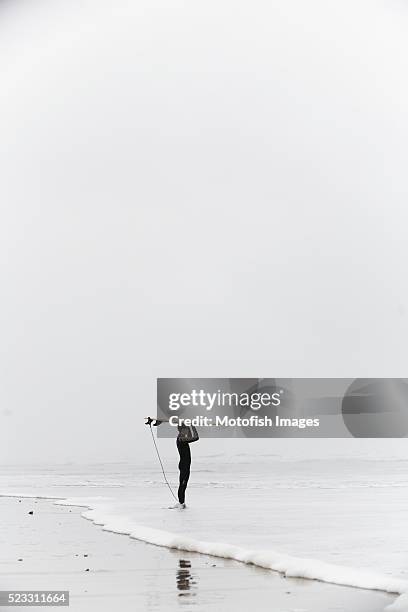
[184, 463]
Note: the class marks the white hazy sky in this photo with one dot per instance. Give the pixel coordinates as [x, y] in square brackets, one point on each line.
[194, 189]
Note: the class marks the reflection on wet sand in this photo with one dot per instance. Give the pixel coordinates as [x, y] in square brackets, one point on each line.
[185, 580]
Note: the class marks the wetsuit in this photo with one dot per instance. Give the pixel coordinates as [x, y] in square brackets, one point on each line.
[184, 467]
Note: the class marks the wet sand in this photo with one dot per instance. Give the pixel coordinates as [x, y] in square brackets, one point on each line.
[60, 550]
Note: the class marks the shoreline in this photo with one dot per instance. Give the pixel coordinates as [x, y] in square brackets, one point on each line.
[286, 565]
[194, 574]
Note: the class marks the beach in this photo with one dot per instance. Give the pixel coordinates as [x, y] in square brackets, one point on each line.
[286, 535]
[57, 548]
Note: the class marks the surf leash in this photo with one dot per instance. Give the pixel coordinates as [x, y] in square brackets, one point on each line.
[161, 463]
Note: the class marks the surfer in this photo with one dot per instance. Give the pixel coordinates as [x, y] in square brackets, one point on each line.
[186, 435]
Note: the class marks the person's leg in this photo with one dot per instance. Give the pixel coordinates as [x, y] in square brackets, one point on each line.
[184, 467]
[184, 476]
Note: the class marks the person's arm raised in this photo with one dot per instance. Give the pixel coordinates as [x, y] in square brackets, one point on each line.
[155, 422]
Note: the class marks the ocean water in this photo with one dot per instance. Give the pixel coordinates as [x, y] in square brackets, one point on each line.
[339, 520]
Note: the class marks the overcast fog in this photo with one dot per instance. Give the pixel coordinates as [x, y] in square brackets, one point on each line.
[194, 189]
